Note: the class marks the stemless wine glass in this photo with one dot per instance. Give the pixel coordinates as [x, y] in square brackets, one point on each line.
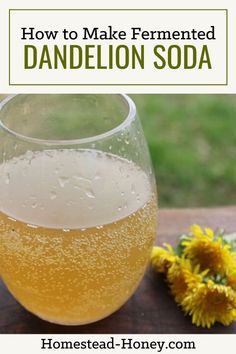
[77, 204]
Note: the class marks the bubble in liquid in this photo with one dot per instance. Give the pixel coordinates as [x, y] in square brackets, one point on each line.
[99, 227]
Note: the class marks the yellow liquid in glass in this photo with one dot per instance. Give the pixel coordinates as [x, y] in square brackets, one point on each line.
[76, 231]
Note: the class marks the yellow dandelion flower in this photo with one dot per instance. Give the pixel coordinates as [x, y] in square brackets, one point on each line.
[182, 277]
[209, 253]
[198, 232]
[231, 279]
[210, 303]
[201, 273]
[161, 259]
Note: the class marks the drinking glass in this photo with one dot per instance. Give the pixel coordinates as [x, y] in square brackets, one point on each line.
[77, 204]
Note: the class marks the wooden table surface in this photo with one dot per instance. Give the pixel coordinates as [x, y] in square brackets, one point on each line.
[151, 309]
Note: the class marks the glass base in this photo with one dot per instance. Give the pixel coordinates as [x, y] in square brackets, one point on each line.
[76, 323]
[73, 323]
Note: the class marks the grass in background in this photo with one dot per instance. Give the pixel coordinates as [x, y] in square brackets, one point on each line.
[192, 140]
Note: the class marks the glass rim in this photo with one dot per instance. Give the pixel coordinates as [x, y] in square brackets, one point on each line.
[126, 122]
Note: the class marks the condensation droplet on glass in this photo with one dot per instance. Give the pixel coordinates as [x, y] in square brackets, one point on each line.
[30, 157]
[119, 208]
[133, 190]
[83, 179]
[66, 230]
[121, 169]
[62, 181]
[12, 219]
[122, 194]
[90, 193]
[34, 205]
[53, 195]
[97, 176]
[110, 147]
[7, 179]
[24, 172]
[32, 226]
[127, 142]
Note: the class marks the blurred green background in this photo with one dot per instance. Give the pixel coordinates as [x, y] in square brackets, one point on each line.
[192, 141]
